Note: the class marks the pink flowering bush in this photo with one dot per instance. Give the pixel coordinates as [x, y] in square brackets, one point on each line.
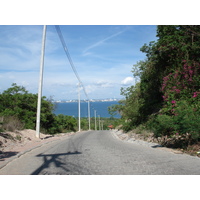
[181, 98]
[182, 84]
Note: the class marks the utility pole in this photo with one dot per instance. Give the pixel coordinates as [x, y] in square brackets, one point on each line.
[99, 123]
[40, 84]
[79, 108]
[89, 113]
[95, 121]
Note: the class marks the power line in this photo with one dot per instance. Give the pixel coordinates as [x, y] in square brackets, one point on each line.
[75, 72]
[73, 68]
[69, 58]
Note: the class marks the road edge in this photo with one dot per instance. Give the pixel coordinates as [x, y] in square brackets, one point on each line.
[10, 159]
[120, 135]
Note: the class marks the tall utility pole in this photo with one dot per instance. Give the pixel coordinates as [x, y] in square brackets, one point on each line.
[79, 107]
[89, 113]
[95, 121]
[99, 123]
[40, 83]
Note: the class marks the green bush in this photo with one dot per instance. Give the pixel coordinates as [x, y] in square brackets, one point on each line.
[185, 120]
[63, 123]
[18, 110]
[161, 125]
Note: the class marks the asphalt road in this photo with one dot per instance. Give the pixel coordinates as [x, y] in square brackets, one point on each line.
[99, 152]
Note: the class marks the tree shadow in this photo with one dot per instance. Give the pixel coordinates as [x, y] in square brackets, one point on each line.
[7, 154]
[156, 146]
[7, 136]
[46, 137]
[55, 158]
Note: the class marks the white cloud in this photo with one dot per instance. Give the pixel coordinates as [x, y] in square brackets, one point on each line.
[90, 88]
[127, 81]
[104, 84]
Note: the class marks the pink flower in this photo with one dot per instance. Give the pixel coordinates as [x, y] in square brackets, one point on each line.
[195, 94]
[166, 78]
[173, 101]
[177, 90]
[176, 75]
[190, 72]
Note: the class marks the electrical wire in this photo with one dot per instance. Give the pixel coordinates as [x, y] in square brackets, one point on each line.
[69, 58]
[71, 63]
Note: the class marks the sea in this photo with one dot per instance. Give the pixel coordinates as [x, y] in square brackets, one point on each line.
[71, 109]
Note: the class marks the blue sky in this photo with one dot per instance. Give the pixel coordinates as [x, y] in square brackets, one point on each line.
[102, 54]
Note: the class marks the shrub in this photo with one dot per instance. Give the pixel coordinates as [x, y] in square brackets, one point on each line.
[161, 125]
[18, 137]
[12, 123]
[183, 125]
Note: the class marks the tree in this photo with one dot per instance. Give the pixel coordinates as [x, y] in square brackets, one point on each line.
[18, 102]
[18, 105]
[169, 82]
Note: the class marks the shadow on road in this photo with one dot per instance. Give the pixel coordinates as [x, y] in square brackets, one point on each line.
[7, 154]
[56, 160]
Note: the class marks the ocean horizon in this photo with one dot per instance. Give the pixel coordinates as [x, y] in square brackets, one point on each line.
[71, 109]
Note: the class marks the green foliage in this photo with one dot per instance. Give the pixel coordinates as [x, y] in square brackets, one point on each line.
[18, 108]
[115, 109]
[84, 123]
[16, 101]
[18, 137]
[132, 104]
[184, 122]
[167, 97]
[62, 123]
[161, 125]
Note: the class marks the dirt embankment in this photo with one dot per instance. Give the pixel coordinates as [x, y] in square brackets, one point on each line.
[10, 140]
[12, 143]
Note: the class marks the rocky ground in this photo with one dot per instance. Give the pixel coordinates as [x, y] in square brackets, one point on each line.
[147, 139]
[11, 140]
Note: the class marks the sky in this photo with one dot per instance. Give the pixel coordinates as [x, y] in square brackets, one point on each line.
[102, 54]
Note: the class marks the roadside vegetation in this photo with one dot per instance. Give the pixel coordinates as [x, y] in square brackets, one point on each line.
[166, 99]
[18, 110]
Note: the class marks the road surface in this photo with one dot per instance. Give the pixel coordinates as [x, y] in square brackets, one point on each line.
[100, 153]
